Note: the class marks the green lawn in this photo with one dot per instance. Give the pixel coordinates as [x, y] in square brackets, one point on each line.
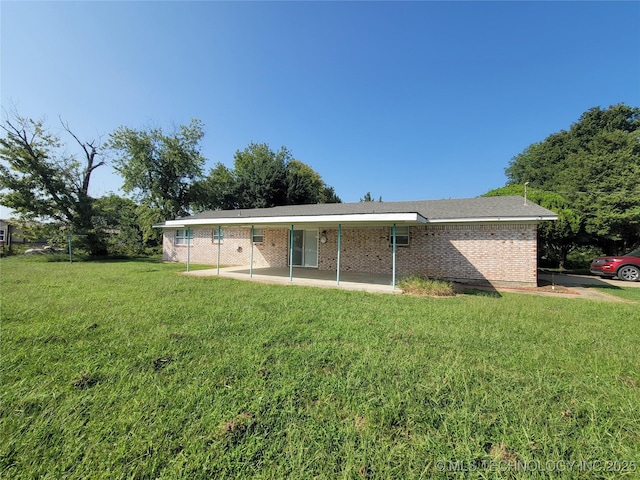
[129, 370]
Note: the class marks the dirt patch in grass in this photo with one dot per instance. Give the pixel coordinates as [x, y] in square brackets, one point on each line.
[237, 424]
[546, 286]
[160, 362]
[361, 423]
[85, 380]
[501, 453]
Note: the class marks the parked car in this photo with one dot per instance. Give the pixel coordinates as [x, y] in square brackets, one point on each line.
[626, 267]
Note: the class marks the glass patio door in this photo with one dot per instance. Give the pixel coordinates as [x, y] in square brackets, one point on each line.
[305, 248]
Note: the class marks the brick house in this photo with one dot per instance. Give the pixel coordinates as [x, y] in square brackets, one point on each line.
[478, 240]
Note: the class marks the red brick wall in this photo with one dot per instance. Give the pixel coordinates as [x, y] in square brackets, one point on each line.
[235, 248]
[491, 253]
[494, 253]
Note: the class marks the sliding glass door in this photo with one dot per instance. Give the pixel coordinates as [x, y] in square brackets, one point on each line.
[305, 248]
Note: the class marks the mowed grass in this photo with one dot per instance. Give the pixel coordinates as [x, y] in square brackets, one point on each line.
[130, 370]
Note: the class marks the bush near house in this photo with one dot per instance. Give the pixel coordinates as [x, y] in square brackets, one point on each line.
[128, 370]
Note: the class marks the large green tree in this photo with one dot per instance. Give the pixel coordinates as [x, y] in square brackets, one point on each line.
[41, 182]
[261, 178]
[595, 167]
[124, 225]
[159, 169]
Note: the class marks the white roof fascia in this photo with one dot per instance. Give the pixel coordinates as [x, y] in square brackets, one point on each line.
[299, 219]
[493, 219]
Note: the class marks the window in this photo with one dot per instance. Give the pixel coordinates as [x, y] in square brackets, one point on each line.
[2, 235]
[215, 238]
[402, 236]
[258, 235]
[181, 237]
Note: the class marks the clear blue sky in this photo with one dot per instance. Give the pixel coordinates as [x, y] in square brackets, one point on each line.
[407, 100]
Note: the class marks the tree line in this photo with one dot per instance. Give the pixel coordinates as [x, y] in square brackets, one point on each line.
[163, 178]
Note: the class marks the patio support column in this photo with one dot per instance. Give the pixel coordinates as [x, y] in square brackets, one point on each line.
[291, 255]
[338, 258]
[251, 256]
[393, 273]
[219, 242]
[188, 247]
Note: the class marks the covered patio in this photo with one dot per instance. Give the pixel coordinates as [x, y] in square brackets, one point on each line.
[312, 277]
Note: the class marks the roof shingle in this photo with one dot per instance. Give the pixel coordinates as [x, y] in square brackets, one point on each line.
[449, 209]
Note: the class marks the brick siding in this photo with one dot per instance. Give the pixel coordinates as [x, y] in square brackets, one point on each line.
[499, 253]
[235, 248]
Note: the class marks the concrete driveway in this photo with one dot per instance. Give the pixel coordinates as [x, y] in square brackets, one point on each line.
[584, 281]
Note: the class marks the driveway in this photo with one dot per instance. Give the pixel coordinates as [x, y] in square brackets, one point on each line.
[584, 281]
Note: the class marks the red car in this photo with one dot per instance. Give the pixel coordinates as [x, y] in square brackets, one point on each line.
[626, 267]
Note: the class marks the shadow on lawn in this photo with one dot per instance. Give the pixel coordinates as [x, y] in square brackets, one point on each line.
[124, 258]
[479, 291]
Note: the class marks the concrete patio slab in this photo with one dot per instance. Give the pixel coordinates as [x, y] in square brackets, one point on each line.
[312, 277]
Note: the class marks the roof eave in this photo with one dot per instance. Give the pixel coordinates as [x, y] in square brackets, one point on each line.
[538, 218]
[369, 218]
[347, 219]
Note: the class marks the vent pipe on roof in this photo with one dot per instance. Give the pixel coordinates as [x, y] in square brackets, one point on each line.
[525, 192]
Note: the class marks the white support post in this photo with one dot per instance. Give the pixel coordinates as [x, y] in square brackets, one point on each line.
[291, 255]
[188, 247]
[251, 259]
[219, 241]
[393, 275]
[338, 258]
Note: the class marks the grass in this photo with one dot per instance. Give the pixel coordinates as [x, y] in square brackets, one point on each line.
[128, 370]
[628, 293]
[422, 286]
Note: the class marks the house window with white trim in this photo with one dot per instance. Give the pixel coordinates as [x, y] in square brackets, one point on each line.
[402, 236]
[258, 235]
[218, 235]
[2, 235]
[181, 236]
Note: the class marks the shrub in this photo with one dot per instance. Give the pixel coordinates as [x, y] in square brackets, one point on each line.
[423, 286]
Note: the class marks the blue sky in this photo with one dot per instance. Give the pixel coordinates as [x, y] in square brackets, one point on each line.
[406, 100]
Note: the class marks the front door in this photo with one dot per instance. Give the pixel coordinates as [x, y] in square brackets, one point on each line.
[305, 248]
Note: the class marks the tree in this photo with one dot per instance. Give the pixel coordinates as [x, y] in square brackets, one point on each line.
[304, 184]
[261, 178]
[595, 167]
[124, 225]
[216, 191]
[329, 195]
[368, 198]
[42, 183]
[158, 169]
